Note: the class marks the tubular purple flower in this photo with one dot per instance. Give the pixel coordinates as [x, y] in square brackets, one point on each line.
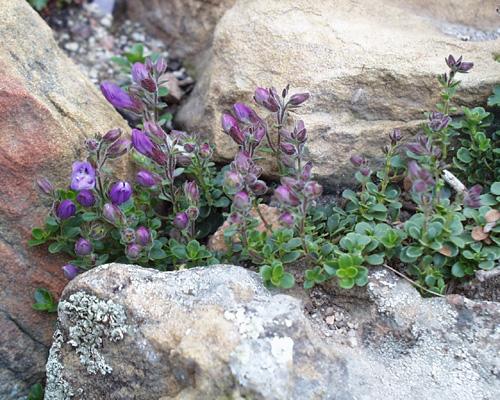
[395, 136]
[112, 135]
[45, 186]
[416, 148]
[299, 98]
[70, 271]
[259, 132]
[306, 171]
[288, 148]
[113, 214]
[143, 236]
[458, 65]
[285, 196]
[181, 220]
[119, 98]
[189, 147]
[192, 192]
[145, 178]
[472, 197]
[245, 114]
[438, 121]
[141, 76]
[133, 251]
[287, 219]
[161, 66]
[120, 192]
[230, 126]
[264, 98]
[241, 200]
[85, 198]
[66, 209]
[82, 175]
[142, 143]
[299, 132]
[118, 148]
[83, 247]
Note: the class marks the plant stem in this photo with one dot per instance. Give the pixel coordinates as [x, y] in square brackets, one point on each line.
[412, 281]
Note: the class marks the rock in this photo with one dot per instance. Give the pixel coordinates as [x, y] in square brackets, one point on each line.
[368, 70]
[175, 92]
[270, 214]
[47, 110]
[217, 332]
[186, 25]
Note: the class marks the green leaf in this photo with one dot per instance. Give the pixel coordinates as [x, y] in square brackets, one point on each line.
[291, 257]
[277, 273]
[89, 216]
[37, 233]
[222, 202]
[287, 281]
[36, 392]
[56, 247]
[495, 188]
[266, 272]
[38, 5]
[157, 253]
[375, 259]
[346, 283]
[494, 99]
[463, 155]
[179, 251]
[44, 301]
[345, 261]
[292, 244]
[458, 270]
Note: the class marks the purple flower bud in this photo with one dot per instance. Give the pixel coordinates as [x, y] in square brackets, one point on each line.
[91, 145]
[112, 135]
[233, 182]
[70, 271]
[158, 156]
[241, 200]
[155, 130]
[66, 209]
[133, 251]
[259, 188]
[259, 132]
[181, 220]
[119, 98]
[142, 143]
[419, 186]
[83, 247]
[416, 148]
[245, 114]
[264, 98]
[193, 213]
[161, 65]
[465, 67]
[205, 150]
[438, 121]
[472, 197]
[285, 196]
[306, 171]
[395, 136]
[299, 98]
[120, 192]
[184, 160]
[230, 126]
[458, 65]
[141, 76]
[189, 147]
[145, 178]
[288, 148]
[85, 198]
[357, 160]
[45, 186]
[113, 214]
[191, 191]
[143, 236]
[118, 148]
[287, 219]
[365, 171]
[313, 190]
[299, 132]
[235, 218]
[82, 176]
[242, 161]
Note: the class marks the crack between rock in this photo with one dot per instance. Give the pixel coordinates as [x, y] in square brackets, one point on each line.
[24, 330]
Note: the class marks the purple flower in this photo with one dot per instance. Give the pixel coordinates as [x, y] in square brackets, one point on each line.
[112, 214]
[141, 76]
[287, 218]
[288, 148]
[191, 191]
[142, 143]
[161, 66]
[181, 220]
[143, 236]
[112, 135]
[66, 209]
[70, 271]
[422, 179]
[120, 192]
[438, 121]
[83, 247]
[145, 178]
[119, 98]
[285, 196]
[45, 186]
[259, 188]
[472, 197]
[155, 130]
[395, 136]
[85, 198]
[241, 200]
[133, 251]
[299, 132]
[118, 148]
[357, 160]
[245, 114]
[458, 65]
[265, 98]
[82, 176]
[299, 98]
[306, 171]
[230, 126]
[313, 190]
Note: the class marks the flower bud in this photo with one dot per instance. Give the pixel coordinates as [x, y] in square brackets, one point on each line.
[228, 122]
[113, 214]
[181, 220]
[45, 186]
[285, 196]
[365, 171]
[205, 151]
[133, 251]
[472, 197]
[259, 188]
[118, 148]
[143, 236]
[193, 213]
[288, 148]
[158, 156]
[145, 178]
[85, 198]
[191, 191]
[128, 235]
[395, 136]
[161, 65]
[299, 132]
[91, 145]
[287, 219]
[235, 218]
[306, 171]
[189, 147]
[120, 192]
[245, 114]
[119, 98]
[313, 189]
[183, 160]
[299, 98]
[241, 200]
[264, 98]
[70, 271]
[83, 247]
[66, 209]
[155, 130]
[233, 182]
[142, 143]
[142, 77]
[357, 160]
[259, 133]
[112, 135]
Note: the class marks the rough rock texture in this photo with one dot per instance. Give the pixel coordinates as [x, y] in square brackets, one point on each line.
[47, 109]
[186, 25]
[368, 70]
[217, 333]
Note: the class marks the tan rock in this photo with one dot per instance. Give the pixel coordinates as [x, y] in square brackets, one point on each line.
[47, 109]
[368, 70]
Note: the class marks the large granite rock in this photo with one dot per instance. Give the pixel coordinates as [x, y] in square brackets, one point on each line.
[47, 109]
[125, 332]
[369, 70]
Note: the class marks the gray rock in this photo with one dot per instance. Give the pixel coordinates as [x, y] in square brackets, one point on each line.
[218, 333]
